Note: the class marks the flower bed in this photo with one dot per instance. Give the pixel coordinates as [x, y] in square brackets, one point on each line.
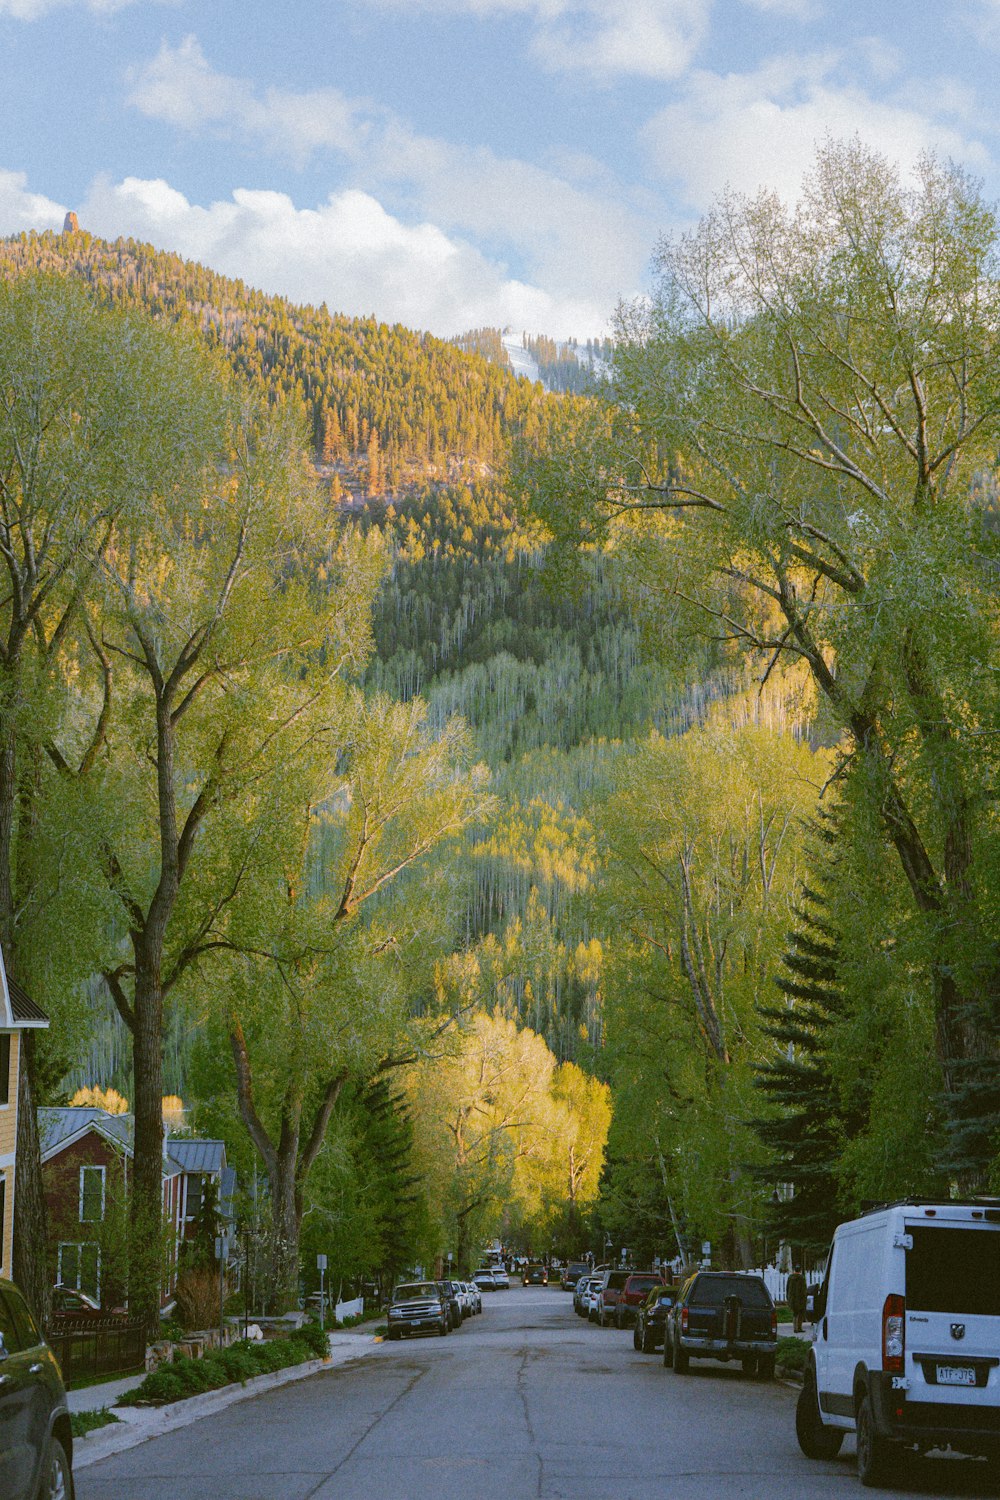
[240, 1362]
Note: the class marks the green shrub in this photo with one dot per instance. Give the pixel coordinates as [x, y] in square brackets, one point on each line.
[82, 1422]
[240, 1362]
[792, 1353]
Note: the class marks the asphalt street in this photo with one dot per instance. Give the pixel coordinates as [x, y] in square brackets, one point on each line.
[526, 1402]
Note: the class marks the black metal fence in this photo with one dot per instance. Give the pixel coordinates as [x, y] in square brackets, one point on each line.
[88, 1349]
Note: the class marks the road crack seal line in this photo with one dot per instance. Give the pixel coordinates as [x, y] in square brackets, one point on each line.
[408, 1387]
[526, 1359]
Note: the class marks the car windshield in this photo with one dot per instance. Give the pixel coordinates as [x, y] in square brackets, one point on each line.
[954, 1270]
[712, 1291]
[414, 1289]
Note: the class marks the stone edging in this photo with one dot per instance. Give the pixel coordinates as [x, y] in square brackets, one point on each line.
[137, 1424]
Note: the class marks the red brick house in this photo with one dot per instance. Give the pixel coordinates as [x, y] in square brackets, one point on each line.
[86, 1161]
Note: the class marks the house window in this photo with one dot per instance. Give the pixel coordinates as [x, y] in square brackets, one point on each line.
[3, 1216]
[5, 1068]
[79, 1267]
[91, 1195]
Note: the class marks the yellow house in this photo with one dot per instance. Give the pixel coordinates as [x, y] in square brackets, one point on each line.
[17, 1014]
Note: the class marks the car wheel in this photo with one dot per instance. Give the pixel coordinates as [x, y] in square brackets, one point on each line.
[681, 1362]
[815, 1440]
[875, 1452]
[765, 1367]
[57, 1477]
[393, 1335]
[749, 1364]
[637, 1340]
[668, 1352]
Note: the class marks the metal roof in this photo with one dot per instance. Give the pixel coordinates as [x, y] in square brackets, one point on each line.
[59, 1127]
[197, 1156]
[23, 1008]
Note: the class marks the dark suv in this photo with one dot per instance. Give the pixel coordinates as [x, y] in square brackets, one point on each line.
[722, 1315]
[36, 1445]
[534, 1274]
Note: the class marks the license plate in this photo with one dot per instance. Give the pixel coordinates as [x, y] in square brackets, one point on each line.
[955, 1375]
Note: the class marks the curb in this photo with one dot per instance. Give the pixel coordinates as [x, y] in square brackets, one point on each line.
[137, 1424]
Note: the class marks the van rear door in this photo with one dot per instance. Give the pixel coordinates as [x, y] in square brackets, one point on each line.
[953, 1312]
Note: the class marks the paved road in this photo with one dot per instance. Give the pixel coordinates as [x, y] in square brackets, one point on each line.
[527, 1402]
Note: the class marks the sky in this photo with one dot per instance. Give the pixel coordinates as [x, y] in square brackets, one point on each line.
[455, 164]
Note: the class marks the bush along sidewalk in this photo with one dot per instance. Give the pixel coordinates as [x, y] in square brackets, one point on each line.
[82, 1422]
[237, 1364]
[791, 1355]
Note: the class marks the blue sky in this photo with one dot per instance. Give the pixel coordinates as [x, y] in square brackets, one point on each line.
[457, 163]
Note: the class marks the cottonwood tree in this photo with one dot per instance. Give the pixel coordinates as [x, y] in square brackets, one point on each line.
[499, 1127]
[334, 956]
[701, 843]
[799, 454]
[228, 611]
[97, 408]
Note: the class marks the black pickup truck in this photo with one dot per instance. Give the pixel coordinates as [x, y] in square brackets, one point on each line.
[722, 1315]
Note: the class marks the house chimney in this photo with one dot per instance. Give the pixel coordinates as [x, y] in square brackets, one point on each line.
[71, 223]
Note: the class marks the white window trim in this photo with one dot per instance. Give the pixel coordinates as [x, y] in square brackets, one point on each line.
[93, 1167]
[79, 1246]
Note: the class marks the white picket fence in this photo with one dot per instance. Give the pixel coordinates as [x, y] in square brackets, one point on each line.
[351, 1309]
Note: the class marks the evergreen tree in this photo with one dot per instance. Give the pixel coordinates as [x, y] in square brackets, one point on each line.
[806, 1132]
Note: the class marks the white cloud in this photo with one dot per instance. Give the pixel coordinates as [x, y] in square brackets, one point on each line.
[21, 210]
[580, 236]
[349, 252]
[605, 38]
[181, 88]
[761, 129]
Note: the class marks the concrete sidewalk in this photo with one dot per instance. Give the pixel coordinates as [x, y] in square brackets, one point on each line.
[137, 1424]
[97, 1397]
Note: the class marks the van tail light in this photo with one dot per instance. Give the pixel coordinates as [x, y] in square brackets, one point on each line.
[893, 1335]
[774, 1322]
[684, 1320]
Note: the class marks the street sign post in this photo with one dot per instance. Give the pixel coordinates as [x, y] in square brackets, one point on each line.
[321, 1267]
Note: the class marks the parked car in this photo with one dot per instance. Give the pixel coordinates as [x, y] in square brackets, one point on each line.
[907, 1337]
[71, 1305]
[592, 1297]
[579, 1291]
[484, 1279]
[609, 1295]
[571, 1274]
[474, 1295]
[633, 1294]
[651, 1321]
[534, 1274]
[36, 1443]
[454, 1299]
[501, 1278]
[723, 1315]
[418, 1307]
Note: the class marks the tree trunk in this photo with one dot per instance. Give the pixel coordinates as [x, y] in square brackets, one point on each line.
[146, 1257]
[31, 1258]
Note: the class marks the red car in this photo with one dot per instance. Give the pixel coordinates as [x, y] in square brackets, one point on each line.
[633, 1294]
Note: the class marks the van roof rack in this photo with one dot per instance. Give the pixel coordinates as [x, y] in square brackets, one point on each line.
[931, 1200]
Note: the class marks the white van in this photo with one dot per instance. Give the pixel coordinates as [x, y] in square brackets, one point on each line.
[907, 1341]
